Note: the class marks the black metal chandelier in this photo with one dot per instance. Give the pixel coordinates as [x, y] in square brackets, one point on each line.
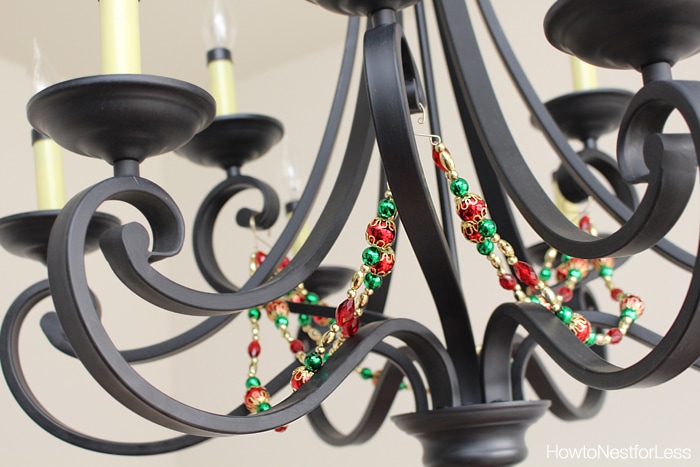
[470, 404]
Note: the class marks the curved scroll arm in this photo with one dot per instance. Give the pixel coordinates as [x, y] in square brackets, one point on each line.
[573, 162]
[385, 391]
[673, 354]
[670, 183]
[527, 365]
[210, 326]
[384, 72]
[126, 248]
[203, 229]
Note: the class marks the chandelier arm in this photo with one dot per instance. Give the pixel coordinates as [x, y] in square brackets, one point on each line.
[203, 228]
[670, 182]
[446, 203]
[386, 59]
[126, 247]
[303, 206]
[581, 174]
[675, 352]
[18, 385]
[386, 388]
[527, 365]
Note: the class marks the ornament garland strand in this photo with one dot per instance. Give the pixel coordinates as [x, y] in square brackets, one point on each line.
[377, 262]
[482, 231]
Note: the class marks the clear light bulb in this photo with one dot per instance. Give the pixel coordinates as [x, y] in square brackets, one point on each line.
[290, 174]
[41, 72]
[219, 29]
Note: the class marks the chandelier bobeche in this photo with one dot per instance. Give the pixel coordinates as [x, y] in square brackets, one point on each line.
[470, 407]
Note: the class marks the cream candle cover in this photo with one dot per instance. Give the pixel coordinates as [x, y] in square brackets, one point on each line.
[48, 168]
[120, 36]
[221, 79]
[583, 74]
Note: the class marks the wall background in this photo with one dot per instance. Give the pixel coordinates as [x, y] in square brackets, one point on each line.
[287, 56]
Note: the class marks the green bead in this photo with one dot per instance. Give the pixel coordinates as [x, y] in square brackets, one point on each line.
[280, 321]
[591, 339]
[304, 320]
[487, 228]
[459, 187]
[253, 313]
[372, 281]
[386, 208]
[545, 274]
[252, 382]
[313, 361]
[534, 299]
[565, 258]
[263, 407]
[312, 298]
[565, 314]
[574, 273]
[485, 247]
[606, 271]
[402, 385]
[371, 256]
[366, 373]
[629, 313]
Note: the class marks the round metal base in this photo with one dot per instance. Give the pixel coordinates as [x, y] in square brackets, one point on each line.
[233, 140]
[475, 435]
[115, 117]
[27, 234]
[587, 115]
[632, 34]
[363, 7]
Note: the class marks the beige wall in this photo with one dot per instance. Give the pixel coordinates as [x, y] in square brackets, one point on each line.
[211, 376]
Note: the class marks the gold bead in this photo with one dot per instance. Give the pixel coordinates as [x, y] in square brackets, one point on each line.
[351, 293]
[364, 268]
[600, 339]
[357, 279]
[328, 337]
[496, 238]
[334, 327]
[440, 147]
[550, 255]
[452, 175]
[540, 285]
[364, 299]
[495, 261]
[506, 248]
[320, 349]
[511, 260]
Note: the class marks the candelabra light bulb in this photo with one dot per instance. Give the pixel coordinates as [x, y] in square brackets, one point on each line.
[41, 72]
[219, 29]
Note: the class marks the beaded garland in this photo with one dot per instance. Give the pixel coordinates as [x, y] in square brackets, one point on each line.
[482, 231]
[377, 262]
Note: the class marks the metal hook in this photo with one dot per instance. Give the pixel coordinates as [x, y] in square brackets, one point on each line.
[434, 139]
[421, 119]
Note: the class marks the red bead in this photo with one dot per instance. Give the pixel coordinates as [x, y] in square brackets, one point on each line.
[321, 320]
[300, 376]
[296, 346]
[380, 232]
[580, 326]
[525, 273]
[566, 294]
[616, 294]
[615, 335]
[350, 328]
[254, 397]
[472, 208]
[254, 349]
[284, 263]
[281, 429]
[276, 308]
[562, 271]
[633, 303]
[437, 160]
[508, 282]
[259, 257]
[296, 298]
[345, 311]
[470, 230]
[585, 224]
[385, 263]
